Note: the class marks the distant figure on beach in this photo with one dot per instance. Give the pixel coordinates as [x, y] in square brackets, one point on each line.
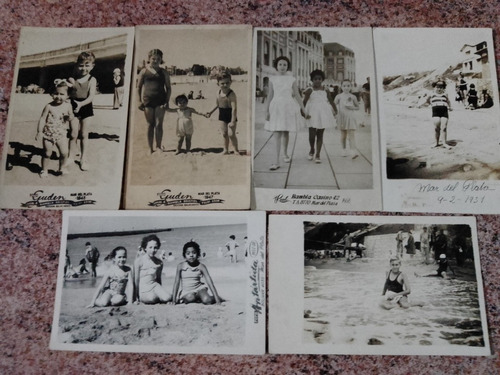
[231, 246]
[424, 244]
[82, 92]
[472, 98]
[200, 95]
[440, 105]
[440, 245]
[154, 94]
[347, 105]
[442, 268]
[190, 95]
[282, 108]
[396, 287]
[188, 285]
[147, 274]
[185, 128]
[410, 244]
[319, 104]
[92, 255]
[226, 103]
[265, 89]
[119, 89]
[82, 267]
[365, 96]
[347, 240]
[486, 100]
[116, 284]
[399, 243]
[462, 86]
[53, 125]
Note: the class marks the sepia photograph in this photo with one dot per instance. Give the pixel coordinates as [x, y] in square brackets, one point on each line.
[383, 285]
[67, 119]
[180, 282]
[439, 119]
[315, 118]
[189, 120]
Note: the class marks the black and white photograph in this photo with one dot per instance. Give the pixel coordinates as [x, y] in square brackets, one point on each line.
[170, 282]
[439, 119]
[189, 136]
[67, 119]
[315, 119]
[378, 285]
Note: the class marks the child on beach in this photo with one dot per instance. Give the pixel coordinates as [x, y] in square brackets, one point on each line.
[82, 94]
[185, 127]
[226, 103]
[319, 104]
[147, 274]
[113, 291]
[188, 279]
[440, 105]
[282, 108]
[154, 94]
[396, 287]
[347, 104]
[54, 124]
[442, 268]
[231, 246]
[472, 97]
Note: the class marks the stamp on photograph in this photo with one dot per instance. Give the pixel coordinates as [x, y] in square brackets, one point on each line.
[376, 285]
[177, 282]
[67, 122]
[315, 120]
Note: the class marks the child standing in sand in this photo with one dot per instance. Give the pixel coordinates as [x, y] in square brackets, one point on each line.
[226, 103]
[231, 246]
[347, 105]
[396, 287]
[282, 108]
[154, 90]
[319, 104]
[82, 94]
[147, 274]
[185, 126]
[188, 279]
[54, 124]
[113, 291]
[440, 104]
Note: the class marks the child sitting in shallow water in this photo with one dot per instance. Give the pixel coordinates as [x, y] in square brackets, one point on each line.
[188, 277]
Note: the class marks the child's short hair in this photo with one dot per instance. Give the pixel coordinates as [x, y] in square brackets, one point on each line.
[192, 244]
[178, 98]
[223, 75]
[471, 86]
[150, 237]
[156, 52]
[232, 236]
[85, 57]
[440, 83]
[279, 58]
[113, 252]
[395, 259]
[87, 243]
[317, 73]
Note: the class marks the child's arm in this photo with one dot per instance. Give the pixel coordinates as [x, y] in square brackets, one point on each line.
[177, 282]
[41, 122]
[296, 95]
[210, 283]
[90, 98]
[171, 110]
[99, 290]
[332, 102]
[208, 114]
[269, 98]
[168, 88]
[129, 291]
[385, 284]
[137, 276]
[232, 100]
[307, 95]
[192, 110]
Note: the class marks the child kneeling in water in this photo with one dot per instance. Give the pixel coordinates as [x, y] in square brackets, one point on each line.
[188, 276]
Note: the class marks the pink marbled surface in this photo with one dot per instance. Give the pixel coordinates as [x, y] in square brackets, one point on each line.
[29, 242]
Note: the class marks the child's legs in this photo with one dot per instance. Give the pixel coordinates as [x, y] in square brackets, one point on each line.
[224, 129]
[149, 113]
[104, 299]
[319, 141]
[312, 139]
[352, 139]
[403, 302]
[85, 124]
[343, 138]
[190, 298]
[48, 148]
[159, 115]
[437, 128]
[118, 300]
[74, 129]
[206, 298]
[188, 142]
[444, 128]
[179, 143]
[231, 130]
[63, 147]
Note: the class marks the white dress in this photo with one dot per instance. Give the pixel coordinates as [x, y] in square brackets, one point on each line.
[284, 111]
[320, 110]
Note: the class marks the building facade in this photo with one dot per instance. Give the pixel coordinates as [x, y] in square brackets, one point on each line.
[340, 64]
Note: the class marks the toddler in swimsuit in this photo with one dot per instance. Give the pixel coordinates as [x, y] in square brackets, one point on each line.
[226, 103]
[113, 291]
[188, 286]
[54, 124]
[185, 127]
[440, 105]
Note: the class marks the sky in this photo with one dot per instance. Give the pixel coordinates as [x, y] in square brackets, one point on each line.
[401, 51]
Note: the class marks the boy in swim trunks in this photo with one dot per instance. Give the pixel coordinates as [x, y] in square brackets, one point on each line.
[396, 287]
[226, 103]
[440, 105]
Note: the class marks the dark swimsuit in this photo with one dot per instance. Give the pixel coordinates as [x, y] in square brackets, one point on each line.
[80, 92]
[393, 285]
[154, 94]
[225, 114]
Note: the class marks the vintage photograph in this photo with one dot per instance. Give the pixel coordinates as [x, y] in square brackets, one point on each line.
[315, 117]
[386, 285]
[67, 119]
[183, 282]
[189, 126]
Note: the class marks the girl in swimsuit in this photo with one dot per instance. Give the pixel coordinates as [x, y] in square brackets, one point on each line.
[188, 278]
[154, 94]
[147, 274]
[396, 287]
[113, 291]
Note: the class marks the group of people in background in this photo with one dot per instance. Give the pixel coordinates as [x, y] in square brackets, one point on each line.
[469, 97]
[154, 89]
